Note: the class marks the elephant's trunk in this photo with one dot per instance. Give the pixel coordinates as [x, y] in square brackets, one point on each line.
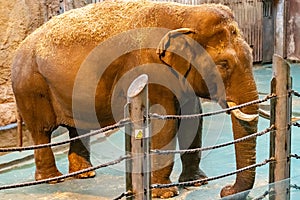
[245, 153]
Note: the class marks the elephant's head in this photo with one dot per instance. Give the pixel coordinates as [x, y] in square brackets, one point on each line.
[215, 59]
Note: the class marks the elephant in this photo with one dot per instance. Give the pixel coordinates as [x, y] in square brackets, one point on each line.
[75, 69]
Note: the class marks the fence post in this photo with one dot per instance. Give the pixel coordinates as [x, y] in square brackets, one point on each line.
[280, 142]
[128, 162]
[139, 145]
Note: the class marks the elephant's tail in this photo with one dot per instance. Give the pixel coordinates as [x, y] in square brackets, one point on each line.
[19, 129]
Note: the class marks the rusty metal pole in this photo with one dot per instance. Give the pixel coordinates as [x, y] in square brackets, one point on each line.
[280, 149]
[137, 95]
[19, 129]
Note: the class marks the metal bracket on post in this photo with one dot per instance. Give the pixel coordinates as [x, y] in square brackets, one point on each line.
[280, 142]
[138, 143]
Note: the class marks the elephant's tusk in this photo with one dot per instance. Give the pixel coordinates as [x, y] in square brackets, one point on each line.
[295, 119]
[264, 114]
[240, 115]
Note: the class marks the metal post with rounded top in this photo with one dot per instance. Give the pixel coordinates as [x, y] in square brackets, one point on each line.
[138, 143]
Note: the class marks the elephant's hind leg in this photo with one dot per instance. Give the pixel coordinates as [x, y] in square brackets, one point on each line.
[41, 124]
[79, 154]
[34, 103]
[44, 159]
[37, 112]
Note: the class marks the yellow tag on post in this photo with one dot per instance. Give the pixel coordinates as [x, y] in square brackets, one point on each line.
[138, 133]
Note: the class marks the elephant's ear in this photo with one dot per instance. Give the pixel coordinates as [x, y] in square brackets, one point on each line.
[175, 49]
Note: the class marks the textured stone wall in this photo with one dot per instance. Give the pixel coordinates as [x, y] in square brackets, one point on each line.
[17, 20]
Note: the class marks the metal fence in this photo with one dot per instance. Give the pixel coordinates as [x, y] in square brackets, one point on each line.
[140, 146]
[280, 124]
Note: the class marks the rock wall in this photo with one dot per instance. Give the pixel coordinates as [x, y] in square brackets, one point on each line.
[19, 18]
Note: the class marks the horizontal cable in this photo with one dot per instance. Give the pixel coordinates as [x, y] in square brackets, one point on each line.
[124, 194]
[119, 124]
[191, 183]
[295, 187]
[272, 192]
[161, 152]
[170, 117]
[296, 124]
[297, 94]
[296, 156]
[264, 195]
[58, 178]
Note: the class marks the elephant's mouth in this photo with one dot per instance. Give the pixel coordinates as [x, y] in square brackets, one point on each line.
[241, 115]
[223, 103]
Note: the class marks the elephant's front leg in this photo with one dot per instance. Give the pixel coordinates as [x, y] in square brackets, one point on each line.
[190, 137]
[163, 137]
[162, 165]
[79, 154]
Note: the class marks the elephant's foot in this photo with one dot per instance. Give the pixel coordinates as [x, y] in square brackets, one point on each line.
[77, 163]
[41, 175]
[165, 193]
[231, 190]
[189, 175]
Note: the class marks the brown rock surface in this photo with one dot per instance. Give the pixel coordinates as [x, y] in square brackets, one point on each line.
[17, 20]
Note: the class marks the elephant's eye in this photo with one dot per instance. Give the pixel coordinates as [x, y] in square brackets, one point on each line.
[223, 64]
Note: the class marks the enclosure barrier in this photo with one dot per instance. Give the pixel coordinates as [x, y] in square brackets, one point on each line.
[297, 94]
[163, 152]
[118, 125]
[62, 177]
[136, 122]
[296, 124]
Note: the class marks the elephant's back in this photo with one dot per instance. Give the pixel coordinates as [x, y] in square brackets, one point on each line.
[95, 23]
[91, 24]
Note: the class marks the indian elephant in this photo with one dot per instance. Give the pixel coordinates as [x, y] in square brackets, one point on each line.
[74, 72]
